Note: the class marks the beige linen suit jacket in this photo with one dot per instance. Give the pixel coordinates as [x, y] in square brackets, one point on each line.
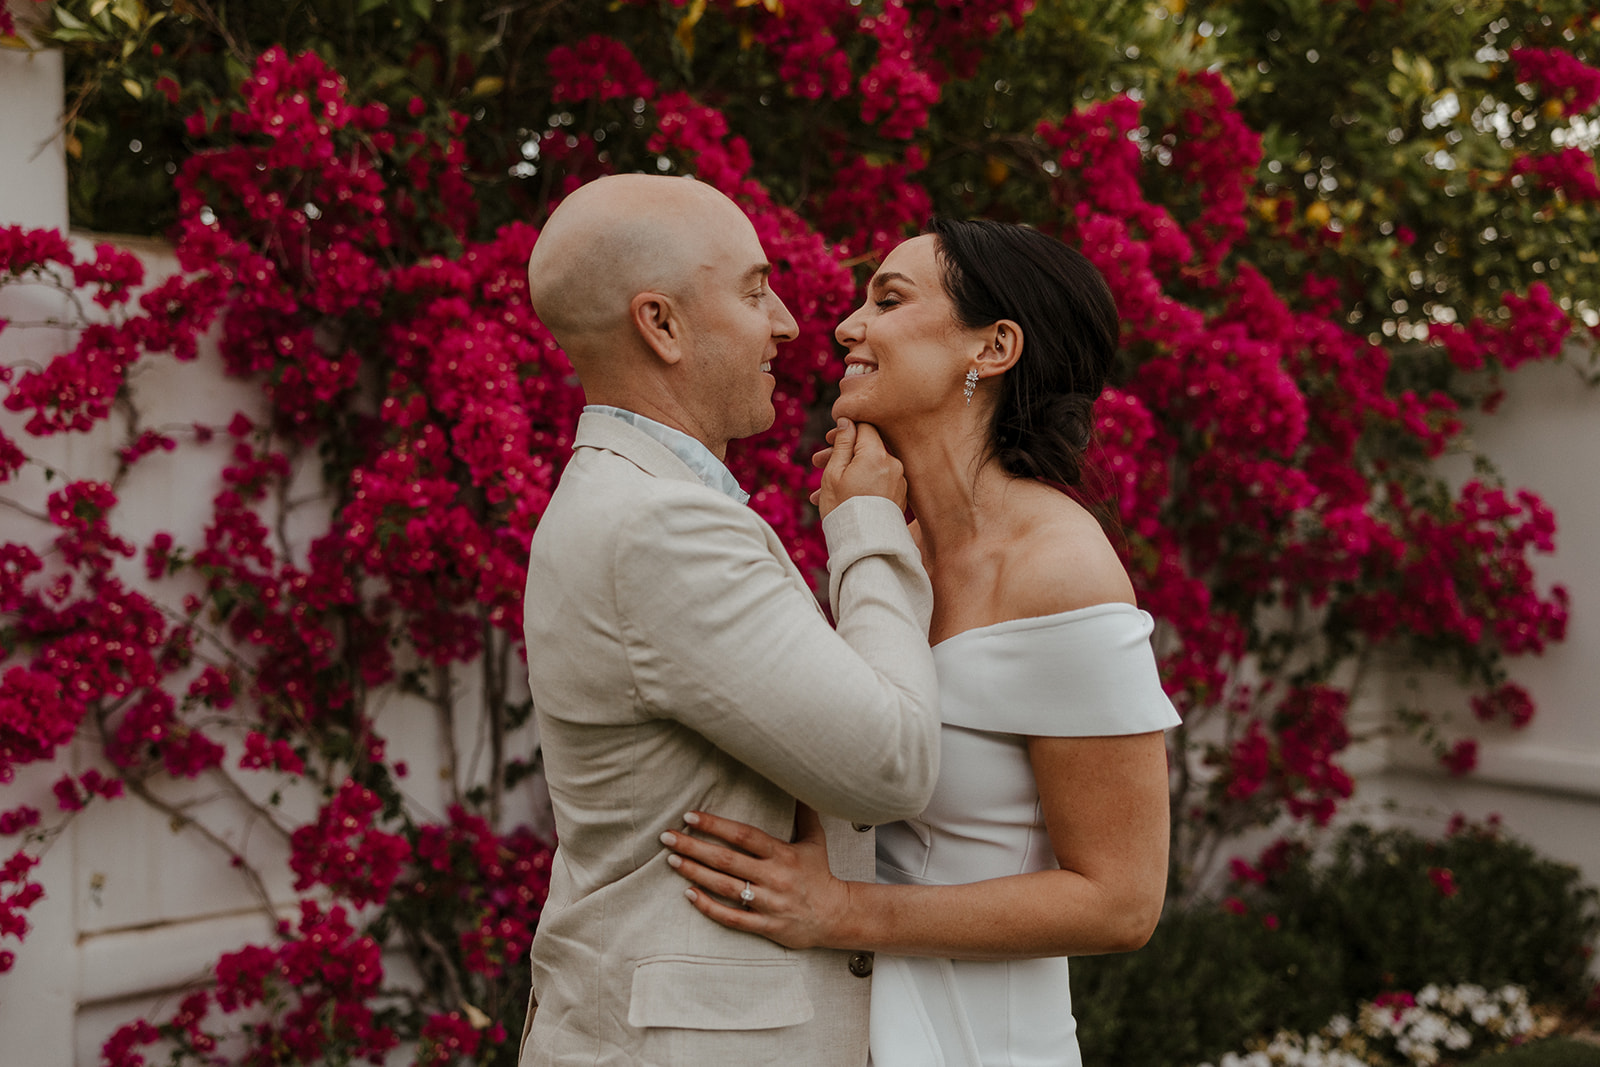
[679, 662]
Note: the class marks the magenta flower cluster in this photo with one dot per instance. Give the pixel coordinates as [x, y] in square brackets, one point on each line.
[1558, 76]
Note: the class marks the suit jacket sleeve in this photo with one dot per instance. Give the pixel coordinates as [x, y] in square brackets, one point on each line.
[721, 638]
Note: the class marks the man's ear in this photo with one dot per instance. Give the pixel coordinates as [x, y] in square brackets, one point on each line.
[659, 325]
[1002, 348]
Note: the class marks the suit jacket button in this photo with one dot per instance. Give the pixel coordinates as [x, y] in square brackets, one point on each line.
[861, 827]
[861, 964]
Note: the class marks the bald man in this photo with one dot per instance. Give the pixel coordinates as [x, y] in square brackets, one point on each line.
[678, 660]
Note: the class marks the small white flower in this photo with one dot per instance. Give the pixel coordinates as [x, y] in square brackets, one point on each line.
[1418, 1053]
[1440, 1017]
[1426, 1026]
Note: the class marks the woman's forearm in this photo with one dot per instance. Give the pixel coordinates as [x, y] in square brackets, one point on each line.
[1104, 804]
[1045, 913]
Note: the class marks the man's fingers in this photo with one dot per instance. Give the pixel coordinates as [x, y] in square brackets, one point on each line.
[820, 457]
[844, 447]
[868, 438]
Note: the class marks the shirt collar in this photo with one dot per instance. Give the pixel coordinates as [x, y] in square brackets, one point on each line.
[695, 455]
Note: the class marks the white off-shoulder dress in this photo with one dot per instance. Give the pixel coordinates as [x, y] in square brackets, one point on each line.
[1084, 673]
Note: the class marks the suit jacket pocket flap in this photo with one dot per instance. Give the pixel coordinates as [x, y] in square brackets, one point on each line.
[697, 993]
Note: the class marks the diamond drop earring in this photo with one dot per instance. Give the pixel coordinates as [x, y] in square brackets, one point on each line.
[972, 383]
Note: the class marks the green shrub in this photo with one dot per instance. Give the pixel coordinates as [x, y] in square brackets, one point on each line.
[1556, 1052]
[1383, 911]
[1476, 906]
[1206, 981]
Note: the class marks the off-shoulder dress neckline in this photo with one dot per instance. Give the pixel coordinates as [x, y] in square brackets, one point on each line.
[1030, 622]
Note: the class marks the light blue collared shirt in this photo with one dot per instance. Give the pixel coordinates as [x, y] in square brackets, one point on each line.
[700, 459]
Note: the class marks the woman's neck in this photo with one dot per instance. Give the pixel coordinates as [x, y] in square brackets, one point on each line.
[953, 487]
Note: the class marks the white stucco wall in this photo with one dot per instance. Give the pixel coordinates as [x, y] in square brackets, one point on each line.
[1543, 780]
[38, 998]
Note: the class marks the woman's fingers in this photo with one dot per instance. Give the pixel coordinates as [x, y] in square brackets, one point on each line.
[734, 918]
[711, 856]
[752, 839]
[723, 885]
[794, 898]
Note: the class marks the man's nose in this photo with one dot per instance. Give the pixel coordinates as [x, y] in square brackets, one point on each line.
[784, 328]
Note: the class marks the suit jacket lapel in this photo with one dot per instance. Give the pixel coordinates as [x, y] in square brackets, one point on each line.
[598, 430]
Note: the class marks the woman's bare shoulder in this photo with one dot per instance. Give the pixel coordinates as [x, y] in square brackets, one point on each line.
[1061, 560]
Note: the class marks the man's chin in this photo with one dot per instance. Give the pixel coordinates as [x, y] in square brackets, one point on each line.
[759, 424]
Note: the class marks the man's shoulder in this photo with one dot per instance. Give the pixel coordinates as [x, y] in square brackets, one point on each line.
[610, 480]
[611, 505]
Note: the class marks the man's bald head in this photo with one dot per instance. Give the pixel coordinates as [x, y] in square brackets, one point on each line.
[612, 239]
[657, 289]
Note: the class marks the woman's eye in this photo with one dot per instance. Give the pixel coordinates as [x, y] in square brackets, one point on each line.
[887, 302]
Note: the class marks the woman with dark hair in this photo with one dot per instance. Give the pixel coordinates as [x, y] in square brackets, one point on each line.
[978, 355]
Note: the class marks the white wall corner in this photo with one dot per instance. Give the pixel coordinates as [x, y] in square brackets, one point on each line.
[33, 166]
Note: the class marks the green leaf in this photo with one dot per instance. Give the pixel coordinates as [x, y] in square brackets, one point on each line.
[130, 12]
[423, 9]
[1423, 72]
[67, 19]
[67, 36]
[367, 6]
[388, 74]
[1463, 70]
